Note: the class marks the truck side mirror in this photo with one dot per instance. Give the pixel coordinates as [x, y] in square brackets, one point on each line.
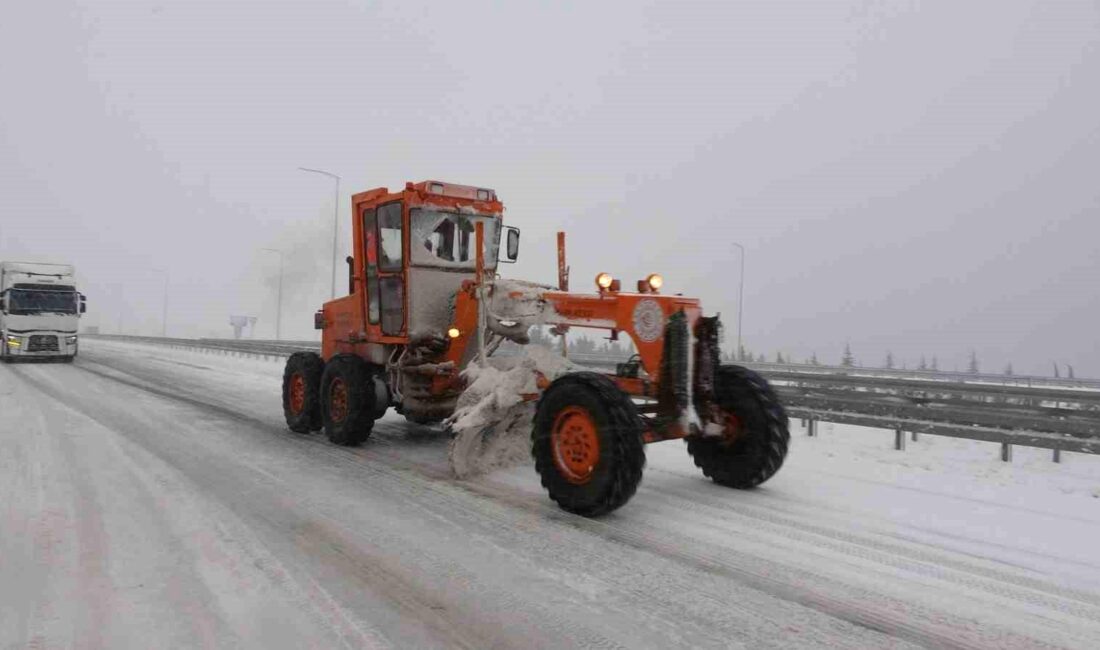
[83, 304]
[511, 253]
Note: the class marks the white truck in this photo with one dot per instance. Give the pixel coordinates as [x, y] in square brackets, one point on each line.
[39, 311]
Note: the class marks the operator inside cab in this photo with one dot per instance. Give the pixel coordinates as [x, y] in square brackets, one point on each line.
[452, 239]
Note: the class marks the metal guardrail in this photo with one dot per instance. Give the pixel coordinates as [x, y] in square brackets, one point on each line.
[263, 348]
[1055, 415]
[937, 375]
[894, 373]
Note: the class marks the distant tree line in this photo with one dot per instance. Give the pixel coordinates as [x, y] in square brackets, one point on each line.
[889, 362]
[582, 342]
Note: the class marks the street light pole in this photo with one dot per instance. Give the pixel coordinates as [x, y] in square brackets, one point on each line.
[118, 294]
[279, 300]
[740, 298]
[164, 313]
[335, 217]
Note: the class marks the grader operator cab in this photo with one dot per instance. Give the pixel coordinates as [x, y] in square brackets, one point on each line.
[425, 303]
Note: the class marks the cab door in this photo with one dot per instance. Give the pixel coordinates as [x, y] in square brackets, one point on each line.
[384, 235]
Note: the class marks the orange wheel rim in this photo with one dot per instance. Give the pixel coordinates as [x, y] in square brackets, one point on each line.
[297, 393]
[576, 444]
[732, 427]
[338, 400]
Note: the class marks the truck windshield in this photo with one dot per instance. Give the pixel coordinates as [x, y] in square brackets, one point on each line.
[446, 239]
[23, 302]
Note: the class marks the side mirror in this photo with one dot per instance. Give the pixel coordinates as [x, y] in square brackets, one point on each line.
[83, 304]
[511, 253]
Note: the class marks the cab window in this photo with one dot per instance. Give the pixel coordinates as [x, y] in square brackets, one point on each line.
[390, 229]
[446, 239]
[370, 224]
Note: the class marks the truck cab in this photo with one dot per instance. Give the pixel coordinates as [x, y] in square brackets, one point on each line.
[413, 251]
[39, 311]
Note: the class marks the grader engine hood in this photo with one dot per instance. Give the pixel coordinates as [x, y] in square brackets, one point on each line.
[513, 306]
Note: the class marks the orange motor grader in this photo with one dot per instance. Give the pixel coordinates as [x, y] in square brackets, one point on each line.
[424, 303]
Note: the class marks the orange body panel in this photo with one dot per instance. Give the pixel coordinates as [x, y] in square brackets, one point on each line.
[607, 311]
[627, 313]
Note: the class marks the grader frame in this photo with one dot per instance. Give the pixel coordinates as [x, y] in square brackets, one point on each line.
[589, 430]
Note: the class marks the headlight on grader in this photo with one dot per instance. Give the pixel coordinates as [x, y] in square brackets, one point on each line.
[655, 282]
[603, 281]
[454, 333]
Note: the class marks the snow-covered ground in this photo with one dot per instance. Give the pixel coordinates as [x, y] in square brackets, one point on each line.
[153, 498]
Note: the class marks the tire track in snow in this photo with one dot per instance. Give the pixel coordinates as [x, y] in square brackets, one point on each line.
[314, 598]
[329, 543]
[429, 484]
[938, 563]
[859, 604]
[628, 534]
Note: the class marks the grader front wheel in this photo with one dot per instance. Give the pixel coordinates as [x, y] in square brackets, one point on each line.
[756, 435]
[587, 444]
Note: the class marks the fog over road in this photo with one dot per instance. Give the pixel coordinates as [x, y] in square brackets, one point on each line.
[154, 498]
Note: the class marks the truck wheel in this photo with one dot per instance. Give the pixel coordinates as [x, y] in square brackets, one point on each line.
[302, 391]
[587, 444]
[347, 400]
[756, 437]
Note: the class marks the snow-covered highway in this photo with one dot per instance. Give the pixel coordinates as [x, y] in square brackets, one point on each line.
[154, 498]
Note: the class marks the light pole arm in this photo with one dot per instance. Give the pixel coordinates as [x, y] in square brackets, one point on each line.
[319, 171]
[164, 313]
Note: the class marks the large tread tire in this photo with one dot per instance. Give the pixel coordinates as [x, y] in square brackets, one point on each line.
[759, 451]
[303, 411]
[615, 477]
[347, 400]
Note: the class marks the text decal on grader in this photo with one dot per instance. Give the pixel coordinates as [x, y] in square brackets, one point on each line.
[425, 304]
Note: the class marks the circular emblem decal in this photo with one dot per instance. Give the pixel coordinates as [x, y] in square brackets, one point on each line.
[649, 320]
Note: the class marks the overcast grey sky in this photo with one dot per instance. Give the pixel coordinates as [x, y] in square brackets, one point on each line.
[920, 177]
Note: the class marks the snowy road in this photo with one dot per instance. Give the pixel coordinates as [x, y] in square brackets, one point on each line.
[154, 498]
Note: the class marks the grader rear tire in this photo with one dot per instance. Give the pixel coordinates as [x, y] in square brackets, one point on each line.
[347, 400]
[587, 444]
[302, 392]
[755, 452]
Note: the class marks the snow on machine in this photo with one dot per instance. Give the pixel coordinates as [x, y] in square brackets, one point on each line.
[426, 312]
